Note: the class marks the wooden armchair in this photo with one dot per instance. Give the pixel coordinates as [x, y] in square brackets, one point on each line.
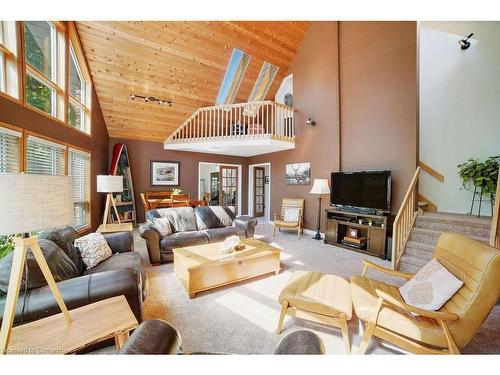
[388, 317]
[279, 219]
[145, 202]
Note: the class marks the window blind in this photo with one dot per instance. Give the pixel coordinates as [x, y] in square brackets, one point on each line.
[44, 157]
[10, 143]
[79, 169]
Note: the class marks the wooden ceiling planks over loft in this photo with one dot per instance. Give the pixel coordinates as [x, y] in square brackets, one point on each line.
[183, 62]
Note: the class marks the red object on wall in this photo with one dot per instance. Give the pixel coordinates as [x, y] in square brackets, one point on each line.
[117, 150]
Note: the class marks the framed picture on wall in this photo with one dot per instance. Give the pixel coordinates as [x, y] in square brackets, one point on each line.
[298, 174]
[164, 173]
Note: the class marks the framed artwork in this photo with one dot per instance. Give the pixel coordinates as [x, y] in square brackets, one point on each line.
[298, 174]
[164, 173]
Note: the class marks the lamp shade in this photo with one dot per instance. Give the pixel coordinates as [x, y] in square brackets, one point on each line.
[320, 186]
[109, 184]
[32, 202]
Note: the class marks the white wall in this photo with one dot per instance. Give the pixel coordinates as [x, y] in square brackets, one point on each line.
[205, 170]
[459, 105]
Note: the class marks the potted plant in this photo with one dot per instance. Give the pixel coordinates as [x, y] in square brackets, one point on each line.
[481, 177]
[6, 245]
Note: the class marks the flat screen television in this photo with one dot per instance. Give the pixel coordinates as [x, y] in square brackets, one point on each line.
[361, 191]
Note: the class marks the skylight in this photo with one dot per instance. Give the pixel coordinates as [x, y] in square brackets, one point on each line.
[263, 82]
[235, 71]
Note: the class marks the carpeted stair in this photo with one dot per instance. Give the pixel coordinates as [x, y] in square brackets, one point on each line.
[428, 228]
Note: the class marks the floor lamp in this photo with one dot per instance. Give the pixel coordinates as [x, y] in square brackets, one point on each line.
[30, 203]
[320, 188]
[109, 184]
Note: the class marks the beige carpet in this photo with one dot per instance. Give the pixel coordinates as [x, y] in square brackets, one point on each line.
[242, 318]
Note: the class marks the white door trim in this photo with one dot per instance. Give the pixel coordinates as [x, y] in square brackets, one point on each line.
[267, 211]
[240, 179]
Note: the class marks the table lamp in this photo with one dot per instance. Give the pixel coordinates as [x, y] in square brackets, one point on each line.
[109, 184]
[30, 203]
[320, 187]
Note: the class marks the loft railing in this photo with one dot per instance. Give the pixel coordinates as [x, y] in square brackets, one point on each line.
[405, 219]
[234, 121]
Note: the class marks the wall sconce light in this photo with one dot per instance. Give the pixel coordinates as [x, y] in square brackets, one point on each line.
[310, 122]
[148, 99]
[464, 43]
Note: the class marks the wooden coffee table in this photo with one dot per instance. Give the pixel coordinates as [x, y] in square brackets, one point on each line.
[90, 324]
[202, 267]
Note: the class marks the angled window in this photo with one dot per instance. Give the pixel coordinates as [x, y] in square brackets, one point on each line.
[45, 157]
[9, 81]
[236, 68]
[263, 82]
[79, 94]
[79, 170]
[10, 150]
[44, 55]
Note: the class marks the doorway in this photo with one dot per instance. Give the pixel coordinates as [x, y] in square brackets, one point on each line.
[259, 191]
[220, 184]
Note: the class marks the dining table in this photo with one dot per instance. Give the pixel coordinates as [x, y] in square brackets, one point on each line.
[167, 202]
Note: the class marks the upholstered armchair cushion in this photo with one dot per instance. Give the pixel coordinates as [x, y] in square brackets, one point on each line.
[182, 219]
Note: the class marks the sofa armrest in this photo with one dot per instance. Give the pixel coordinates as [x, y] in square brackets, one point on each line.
[81, 291]
[120, 242]
[247, 223]
[153, 337]
[152, 237]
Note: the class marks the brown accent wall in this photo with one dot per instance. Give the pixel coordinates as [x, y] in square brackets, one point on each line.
[378, 88]
[315, 81]
[17, 115]
[142, 152]
[368, 69]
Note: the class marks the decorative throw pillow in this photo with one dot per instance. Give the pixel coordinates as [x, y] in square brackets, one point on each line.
[93, 248]
[162, 225]
[291, 214]
[431, 287]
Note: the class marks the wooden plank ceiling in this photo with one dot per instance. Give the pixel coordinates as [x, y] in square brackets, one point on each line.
[183, 62]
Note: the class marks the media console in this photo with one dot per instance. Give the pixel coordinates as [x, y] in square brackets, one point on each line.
[360, 232]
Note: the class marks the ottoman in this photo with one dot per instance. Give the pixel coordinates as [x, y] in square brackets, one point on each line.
[319, 297]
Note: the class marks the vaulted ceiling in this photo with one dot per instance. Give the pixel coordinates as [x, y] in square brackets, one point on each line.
[183, 62]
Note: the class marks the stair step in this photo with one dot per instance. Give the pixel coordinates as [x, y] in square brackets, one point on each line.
[464, 224]
[417, 261]
[430, 236]
[416, 248]
[405, 267]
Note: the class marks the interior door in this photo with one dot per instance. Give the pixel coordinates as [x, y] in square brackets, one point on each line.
[259, 200]
[214, 188]
[228, 186]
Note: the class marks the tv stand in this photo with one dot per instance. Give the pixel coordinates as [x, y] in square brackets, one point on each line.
[373, 228]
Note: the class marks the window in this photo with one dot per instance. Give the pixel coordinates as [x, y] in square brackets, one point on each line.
[79, 98]
[10, 150]
[9, 81]
[235, 71]
[44, 58]
[45, 157]
[79, 169]
[263, 82]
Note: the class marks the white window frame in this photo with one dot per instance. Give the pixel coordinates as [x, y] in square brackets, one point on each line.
[86, 202]
[9, 59]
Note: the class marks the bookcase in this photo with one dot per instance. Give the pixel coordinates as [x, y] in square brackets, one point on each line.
[125, 202]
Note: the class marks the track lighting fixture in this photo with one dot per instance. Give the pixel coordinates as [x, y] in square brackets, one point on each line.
[148, 99]
[464, 43]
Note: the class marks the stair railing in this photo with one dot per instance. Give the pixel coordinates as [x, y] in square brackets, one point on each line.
[495, 222]
[233, 121]
[405, 220]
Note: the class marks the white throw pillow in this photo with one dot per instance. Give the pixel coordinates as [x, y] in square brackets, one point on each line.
[291, 214]
[162, 225]
[93, 248]
[431, 287]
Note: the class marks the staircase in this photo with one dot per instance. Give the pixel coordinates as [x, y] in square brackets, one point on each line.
[429, 226]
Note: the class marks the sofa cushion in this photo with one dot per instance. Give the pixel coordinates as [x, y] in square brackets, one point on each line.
[64, 237]
[162, 225]
[220, 234]
[214, 216]
[130, 260]
[182, 219]
[60, 265]
[93, 248]
[182, 239]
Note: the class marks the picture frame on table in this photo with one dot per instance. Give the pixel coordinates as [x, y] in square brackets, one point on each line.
[164, 173]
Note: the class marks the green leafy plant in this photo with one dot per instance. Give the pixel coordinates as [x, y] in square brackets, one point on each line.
[6, 245]
[480, 175]
[176, 191]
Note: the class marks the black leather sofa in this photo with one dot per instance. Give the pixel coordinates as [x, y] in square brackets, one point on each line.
[121, 274]
[159, 337]
[190, 227]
